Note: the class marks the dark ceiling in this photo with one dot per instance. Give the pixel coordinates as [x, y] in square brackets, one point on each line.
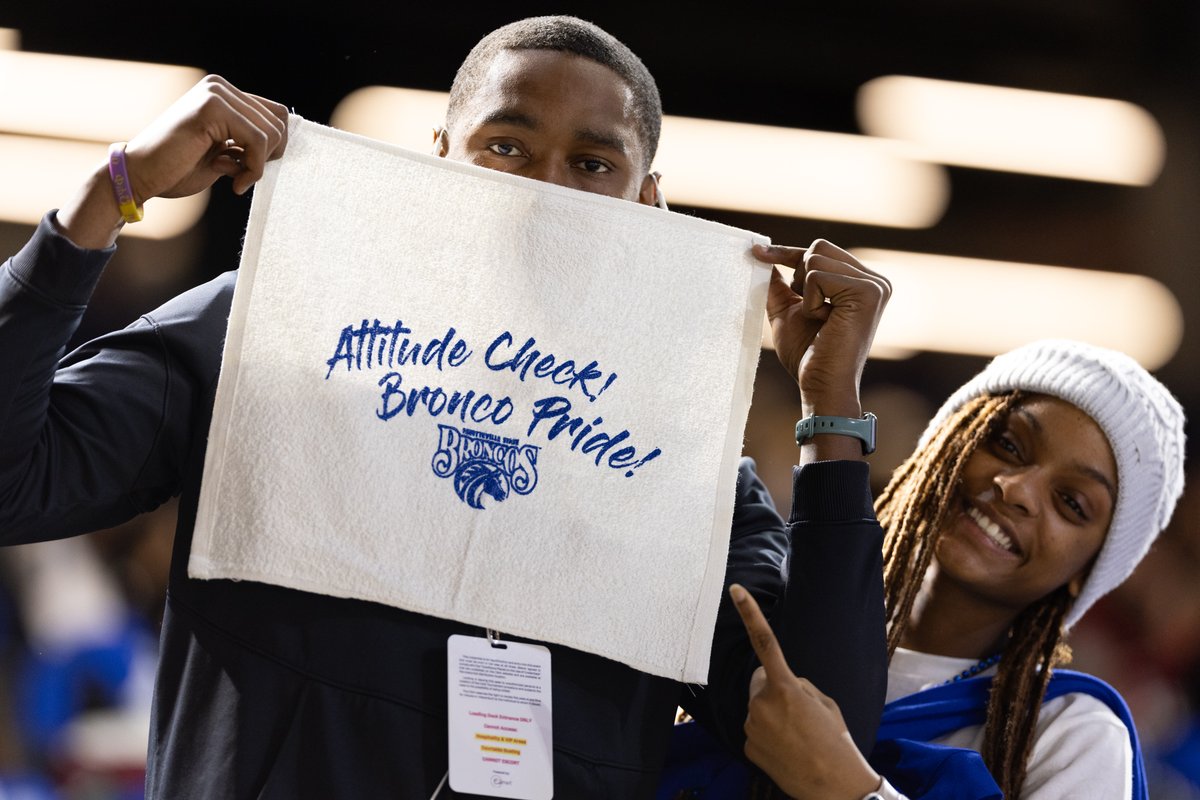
[798, 67]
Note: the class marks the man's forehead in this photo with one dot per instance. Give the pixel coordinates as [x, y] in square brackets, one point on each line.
[518, 67]
[534, 82]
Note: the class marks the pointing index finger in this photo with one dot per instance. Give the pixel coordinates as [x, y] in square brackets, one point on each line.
[762, 638]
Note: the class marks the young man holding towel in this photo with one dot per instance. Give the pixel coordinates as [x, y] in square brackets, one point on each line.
[274, 693]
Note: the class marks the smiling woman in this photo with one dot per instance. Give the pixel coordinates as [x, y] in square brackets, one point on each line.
[1035, 490]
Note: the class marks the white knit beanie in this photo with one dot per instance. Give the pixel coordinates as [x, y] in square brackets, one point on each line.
[1144, 426]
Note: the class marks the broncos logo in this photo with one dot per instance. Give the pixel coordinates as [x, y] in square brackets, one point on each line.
[478, 477]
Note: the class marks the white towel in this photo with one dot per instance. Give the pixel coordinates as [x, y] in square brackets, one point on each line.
[484, 398]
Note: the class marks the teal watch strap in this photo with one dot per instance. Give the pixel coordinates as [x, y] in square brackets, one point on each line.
[861, 429]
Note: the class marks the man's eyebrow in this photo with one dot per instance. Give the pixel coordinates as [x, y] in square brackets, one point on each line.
[504, 116]
[603, 139]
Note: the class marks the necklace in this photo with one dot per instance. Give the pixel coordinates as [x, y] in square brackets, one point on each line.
[974, 670]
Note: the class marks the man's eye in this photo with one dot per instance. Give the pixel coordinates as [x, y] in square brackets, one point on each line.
[594, 165]
[505, 149]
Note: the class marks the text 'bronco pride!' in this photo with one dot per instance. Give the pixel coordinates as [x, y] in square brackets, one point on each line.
[487, 463]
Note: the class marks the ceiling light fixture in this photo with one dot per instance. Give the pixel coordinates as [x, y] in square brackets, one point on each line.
[1015, 130]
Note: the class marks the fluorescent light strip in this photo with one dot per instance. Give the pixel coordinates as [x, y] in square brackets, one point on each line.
[48, 172]
[980, 307]
[798, 173]
[85, 98]
[728, 165]
[1015, 130]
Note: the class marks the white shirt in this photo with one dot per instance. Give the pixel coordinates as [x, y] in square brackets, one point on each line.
[1081, 748]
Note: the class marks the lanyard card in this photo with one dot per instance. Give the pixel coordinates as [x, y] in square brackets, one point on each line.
[501, 732]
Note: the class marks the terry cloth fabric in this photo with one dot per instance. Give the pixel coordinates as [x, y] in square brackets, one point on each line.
[904, 756]
[483, 398]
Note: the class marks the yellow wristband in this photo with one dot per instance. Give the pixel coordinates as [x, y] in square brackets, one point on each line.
[130, 211]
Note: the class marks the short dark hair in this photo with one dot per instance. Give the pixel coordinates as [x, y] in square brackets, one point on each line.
[566, 35]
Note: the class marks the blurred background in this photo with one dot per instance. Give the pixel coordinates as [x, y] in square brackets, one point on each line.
[1019, 169]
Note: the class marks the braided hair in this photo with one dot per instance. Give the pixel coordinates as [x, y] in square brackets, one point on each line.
[914, 509]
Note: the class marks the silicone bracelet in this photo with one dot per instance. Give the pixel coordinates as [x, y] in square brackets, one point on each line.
[130, 211]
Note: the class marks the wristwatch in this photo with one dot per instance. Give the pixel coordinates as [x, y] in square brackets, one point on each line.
[861, 429]
[885, 792]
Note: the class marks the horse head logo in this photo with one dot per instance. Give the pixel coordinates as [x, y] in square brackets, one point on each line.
[477, 477]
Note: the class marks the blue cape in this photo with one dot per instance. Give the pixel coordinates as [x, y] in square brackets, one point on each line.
[698, 766]
[903, 755]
